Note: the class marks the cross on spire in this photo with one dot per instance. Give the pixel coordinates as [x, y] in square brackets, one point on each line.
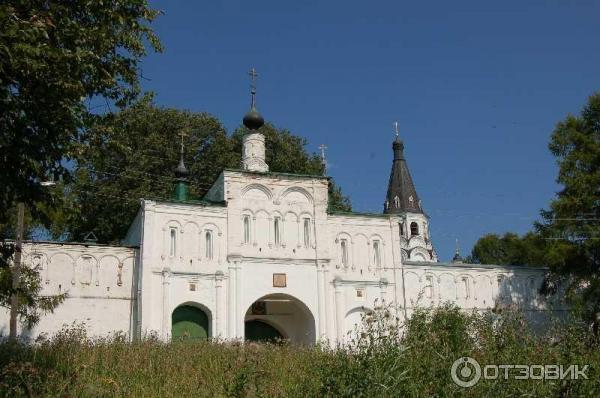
[253, 75]
[397, 128]
[182, 133]
[322, 147]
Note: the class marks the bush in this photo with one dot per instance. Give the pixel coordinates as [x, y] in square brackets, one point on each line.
[382, 358]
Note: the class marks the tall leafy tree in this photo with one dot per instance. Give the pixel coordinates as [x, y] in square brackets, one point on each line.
[572, 222]
[54, 57]
[57, 59]
[132, 154]
[568, 238]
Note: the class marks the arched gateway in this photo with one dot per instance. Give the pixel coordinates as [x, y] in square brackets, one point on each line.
[189, 322]
[279, 316]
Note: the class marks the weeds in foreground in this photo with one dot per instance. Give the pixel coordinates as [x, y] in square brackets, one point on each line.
[382, 358]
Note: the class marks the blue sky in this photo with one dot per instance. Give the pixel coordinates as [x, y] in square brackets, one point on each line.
[476, 86]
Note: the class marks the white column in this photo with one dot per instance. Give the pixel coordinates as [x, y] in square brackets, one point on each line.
[166, 309]
[329, 306]
[218, 316]
[339, 312]
[321, 302]
[231, 302]
[239, 312]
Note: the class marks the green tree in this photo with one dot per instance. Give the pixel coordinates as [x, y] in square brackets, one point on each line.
[572, 222]
[509, 249]
[57, 60]
[132, 154]
[54, 58]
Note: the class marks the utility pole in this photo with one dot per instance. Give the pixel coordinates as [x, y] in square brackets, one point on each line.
[14, 299]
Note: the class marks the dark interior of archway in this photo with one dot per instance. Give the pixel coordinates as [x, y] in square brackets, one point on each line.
[256, 330]
[189, 323]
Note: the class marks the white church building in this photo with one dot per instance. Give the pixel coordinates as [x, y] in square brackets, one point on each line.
[261, 257]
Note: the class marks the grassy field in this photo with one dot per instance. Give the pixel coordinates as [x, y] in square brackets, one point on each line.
[378, 362]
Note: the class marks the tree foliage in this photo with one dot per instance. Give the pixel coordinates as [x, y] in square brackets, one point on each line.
[509, 249]
[132, 154]
[572, 222]
[54, 57]
[568, 238]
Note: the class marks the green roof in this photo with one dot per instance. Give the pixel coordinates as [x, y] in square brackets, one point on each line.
[191, 202]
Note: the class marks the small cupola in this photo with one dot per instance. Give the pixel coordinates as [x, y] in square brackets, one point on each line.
[181, 176]
[253, 157]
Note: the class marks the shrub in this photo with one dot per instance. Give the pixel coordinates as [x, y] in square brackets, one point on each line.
[382, 358]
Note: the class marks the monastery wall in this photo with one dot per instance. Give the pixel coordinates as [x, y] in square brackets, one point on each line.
[98, 281]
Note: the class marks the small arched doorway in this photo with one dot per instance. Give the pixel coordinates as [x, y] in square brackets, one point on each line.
[279, 316]
[189, 322]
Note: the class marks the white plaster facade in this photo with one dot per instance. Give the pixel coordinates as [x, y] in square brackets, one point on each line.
[267, 238]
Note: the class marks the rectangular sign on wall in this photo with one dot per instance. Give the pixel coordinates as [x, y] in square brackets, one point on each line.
[279, 280]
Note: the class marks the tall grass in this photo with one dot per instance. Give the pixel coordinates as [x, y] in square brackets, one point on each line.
[381, 359]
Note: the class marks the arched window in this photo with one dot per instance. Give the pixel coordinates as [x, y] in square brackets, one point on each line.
[173, 242]
[401, 226]
[277, 231]
[209, 245]
[396, 202]
[246, 229]
[376, 253]
[306, 232]
[344, 248]
[414, 228]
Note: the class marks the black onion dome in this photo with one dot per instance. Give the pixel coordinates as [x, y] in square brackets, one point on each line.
[181, 171]
[253, 120]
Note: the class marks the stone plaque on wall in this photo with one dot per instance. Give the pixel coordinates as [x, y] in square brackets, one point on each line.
[279, 280]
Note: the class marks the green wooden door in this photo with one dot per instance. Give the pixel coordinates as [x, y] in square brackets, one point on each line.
[189, 323]
[260, 331]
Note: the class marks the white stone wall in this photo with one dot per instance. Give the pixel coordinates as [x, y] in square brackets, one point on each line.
[187, 273]
[199, 254]
[99, 283]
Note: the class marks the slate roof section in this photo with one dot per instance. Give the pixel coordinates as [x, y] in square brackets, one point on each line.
[401, 194]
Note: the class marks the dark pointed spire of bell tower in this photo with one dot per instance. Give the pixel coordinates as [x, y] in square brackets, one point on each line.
[401, 194]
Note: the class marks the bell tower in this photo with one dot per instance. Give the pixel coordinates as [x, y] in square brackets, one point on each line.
[402, 200]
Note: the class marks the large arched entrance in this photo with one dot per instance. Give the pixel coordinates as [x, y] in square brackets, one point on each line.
[279, 316]
[189, 322]
[258, 330]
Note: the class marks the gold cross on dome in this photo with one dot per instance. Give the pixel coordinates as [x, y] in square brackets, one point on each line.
[183, 133]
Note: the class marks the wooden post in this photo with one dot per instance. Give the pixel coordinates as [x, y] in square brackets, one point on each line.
[14, 299]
